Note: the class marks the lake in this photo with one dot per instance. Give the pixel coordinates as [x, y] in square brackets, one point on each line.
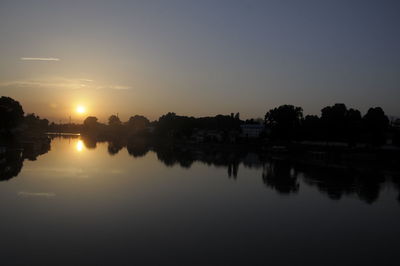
[83, 203]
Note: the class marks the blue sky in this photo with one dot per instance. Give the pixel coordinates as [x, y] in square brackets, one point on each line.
[199, 57]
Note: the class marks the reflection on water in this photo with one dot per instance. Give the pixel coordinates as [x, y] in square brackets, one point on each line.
[79, 145]
[114, 203]
[12, 160]
[280, 175]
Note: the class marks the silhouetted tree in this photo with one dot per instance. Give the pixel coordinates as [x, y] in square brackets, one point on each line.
[34, 124]
[353, 126]
[138, 123]
[176, 126]
[44, 123]
[173, 125]
[333, 120]
[11, 113]
[113, 120]
[375, 125]
[250, 121]
[90, 123]
[396, 137]
[311, 128]
[341, 124]
[284, 121]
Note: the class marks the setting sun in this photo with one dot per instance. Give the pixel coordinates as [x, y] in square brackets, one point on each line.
[80, 109]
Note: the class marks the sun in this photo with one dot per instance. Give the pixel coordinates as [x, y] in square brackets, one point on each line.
[80, 109]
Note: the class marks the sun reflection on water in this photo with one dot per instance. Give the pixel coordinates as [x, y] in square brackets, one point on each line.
[79, 145]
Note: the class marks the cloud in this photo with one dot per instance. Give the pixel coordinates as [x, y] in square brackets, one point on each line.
[40, 59]
[50, 83]
[61, 83]
[36, 194]
[117, 87]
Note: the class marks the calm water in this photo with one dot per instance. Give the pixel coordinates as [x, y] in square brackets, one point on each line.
[100, 204]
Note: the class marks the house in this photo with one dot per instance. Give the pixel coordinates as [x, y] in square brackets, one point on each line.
[252, 130]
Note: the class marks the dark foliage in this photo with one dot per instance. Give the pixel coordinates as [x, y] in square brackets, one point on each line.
[376, 124]
[284, 121]
[11, 113]
[114, 120]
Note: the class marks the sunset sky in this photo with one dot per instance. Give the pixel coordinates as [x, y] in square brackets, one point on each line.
[198, 58]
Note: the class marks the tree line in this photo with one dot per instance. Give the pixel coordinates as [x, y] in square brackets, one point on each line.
[336, 123]
[13, 120]
[284, 123]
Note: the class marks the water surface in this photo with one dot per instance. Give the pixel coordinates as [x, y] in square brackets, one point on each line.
[103, 204]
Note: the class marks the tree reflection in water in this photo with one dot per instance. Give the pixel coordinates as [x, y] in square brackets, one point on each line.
[138, 147]
[11, 161]
[10, 165]
[114, 147]
[279, 175]
[285, 176]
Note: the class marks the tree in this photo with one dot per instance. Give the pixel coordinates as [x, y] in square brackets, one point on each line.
[311, 127]
[11, 113]
[113, 120]
[90, 123]
[333, 120]
[31, 120]
[284, 121]
[396, 137]
[354, 124]
[138, 122]
[44, 123]
[375, 124]
[340, 123]
[34, 124]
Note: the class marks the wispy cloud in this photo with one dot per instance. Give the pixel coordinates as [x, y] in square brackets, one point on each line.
[116, 87]
[49, 83]
[36, 194]
[62, 83]
[40, 59]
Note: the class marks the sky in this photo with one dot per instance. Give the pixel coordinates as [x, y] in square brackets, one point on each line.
[198, 58]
